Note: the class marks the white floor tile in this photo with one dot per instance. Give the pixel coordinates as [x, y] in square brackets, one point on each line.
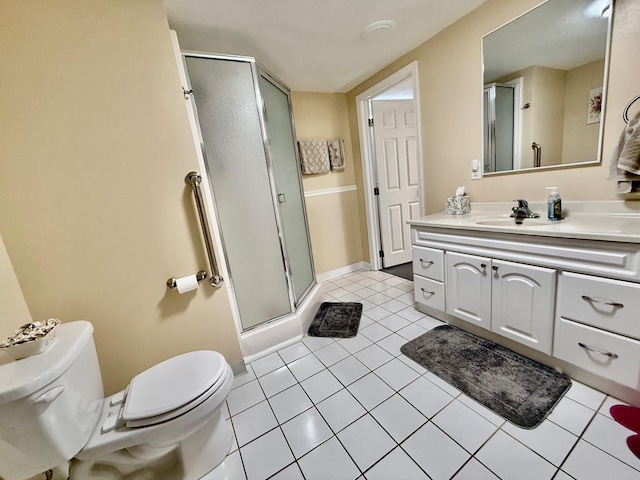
[548, 440]
[377, 313]
[610, 436]
[366, 441]
[484, 412]
[587, 461]
[464, 425]
[394, 322]
[412, 331]
[410, 363]
[266, 455]
[607, 404]
[354, 344]
[428, 323]
[398, 417]
[328, 461]
[245, 396]
[410, 313]
[349, 370]
[367, 305]
[305, 367]
[370, 391]
[340, 409]
[276, 381]
[253, 422]
[243, 378]
[435, 452]
[508, 458]
[373, 356]
[407, 298]
[474, 470]
[447, 387]
[378, 298]
[306, 431]
[290, 403]
[392, 344]
[571, 415]
[397, 465]
[294, 352]
[587, 396]
[426, 397]
[292, 472]
[230, 468]
[350, 297]
[331, 354]
[375, 332]
[267, 364]
[314, 343]
[393, 305]
[396, 374]
[321, 385]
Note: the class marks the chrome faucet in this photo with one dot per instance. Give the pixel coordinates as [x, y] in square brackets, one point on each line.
[522, 210]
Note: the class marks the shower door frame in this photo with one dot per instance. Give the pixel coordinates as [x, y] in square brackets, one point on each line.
[256, 71]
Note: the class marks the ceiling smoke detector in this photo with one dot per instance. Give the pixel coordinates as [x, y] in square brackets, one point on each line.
[378, 29]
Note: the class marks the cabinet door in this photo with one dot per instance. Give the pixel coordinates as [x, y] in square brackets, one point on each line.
[523, 300]
[468, 290]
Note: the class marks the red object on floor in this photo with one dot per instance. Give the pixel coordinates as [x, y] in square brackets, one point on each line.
[633, 442]
[627, 416]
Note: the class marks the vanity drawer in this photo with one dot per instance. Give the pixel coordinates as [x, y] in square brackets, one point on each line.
[624, 368]
[429, 292]
[612, 305]
[428, 262]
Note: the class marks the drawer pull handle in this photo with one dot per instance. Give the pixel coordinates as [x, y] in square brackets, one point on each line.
[602, 302]
[600, 352]
[427, 291]
[424, 262]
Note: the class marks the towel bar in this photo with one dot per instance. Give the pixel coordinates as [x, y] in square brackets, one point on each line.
[194, 179]
[625, 113]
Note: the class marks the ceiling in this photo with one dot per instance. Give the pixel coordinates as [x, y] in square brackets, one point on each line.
[313, 45]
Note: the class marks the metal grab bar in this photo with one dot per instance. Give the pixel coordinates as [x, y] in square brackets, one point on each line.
[194, 179]
[537, 154]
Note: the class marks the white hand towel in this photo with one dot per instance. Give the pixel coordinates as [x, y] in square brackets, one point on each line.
[314, 156]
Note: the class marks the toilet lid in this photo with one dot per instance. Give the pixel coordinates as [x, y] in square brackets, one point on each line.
[172, 384]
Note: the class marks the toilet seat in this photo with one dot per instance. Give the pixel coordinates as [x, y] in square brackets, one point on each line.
[173, 387]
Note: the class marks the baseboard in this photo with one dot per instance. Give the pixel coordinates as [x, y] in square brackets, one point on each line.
[339, 272]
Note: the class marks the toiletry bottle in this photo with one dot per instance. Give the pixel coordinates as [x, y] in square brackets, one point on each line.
[554, 204]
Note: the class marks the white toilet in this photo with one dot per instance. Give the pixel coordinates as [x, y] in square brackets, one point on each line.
[168, 423]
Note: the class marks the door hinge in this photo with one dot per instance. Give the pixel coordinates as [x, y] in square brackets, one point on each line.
[376, 191]
[381, 253]
[371, 122]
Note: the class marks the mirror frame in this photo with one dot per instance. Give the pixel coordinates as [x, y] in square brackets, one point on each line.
[605, 89]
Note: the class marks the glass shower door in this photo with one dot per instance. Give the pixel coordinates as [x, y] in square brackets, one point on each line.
[282, 147]
[227, 109]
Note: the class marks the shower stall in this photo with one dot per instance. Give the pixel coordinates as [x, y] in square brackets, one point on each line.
[244, 122]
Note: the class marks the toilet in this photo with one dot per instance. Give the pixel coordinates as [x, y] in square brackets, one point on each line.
[168, 422]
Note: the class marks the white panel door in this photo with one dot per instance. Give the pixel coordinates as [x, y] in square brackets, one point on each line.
[396, 156]
[523, 303]
[468, 288]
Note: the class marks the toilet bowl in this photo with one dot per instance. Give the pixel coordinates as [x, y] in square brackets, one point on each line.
[168, 420]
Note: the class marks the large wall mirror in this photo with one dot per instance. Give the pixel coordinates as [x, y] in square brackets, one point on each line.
[544, 80]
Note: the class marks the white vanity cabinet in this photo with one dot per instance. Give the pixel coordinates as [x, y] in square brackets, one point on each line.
[598, 326]
[511, 299]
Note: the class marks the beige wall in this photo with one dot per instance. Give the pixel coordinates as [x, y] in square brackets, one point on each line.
[95, 214]
[13, 307]
[581, 139]
[450, 71]
[334, 221]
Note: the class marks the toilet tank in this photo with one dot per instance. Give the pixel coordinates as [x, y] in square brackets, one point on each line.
[49, 403]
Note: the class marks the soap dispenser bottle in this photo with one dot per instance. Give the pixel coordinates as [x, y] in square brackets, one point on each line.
[554, 204]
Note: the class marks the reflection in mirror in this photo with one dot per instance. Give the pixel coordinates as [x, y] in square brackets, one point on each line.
[544, 75]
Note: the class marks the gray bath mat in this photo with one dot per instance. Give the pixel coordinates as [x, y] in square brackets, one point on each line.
[339, 320]
[515, 387]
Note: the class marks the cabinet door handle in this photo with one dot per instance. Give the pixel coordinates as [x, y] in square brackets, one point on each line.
[484, 267]
[424, 262]
[494, 268]
[602, 302]
[427, 291]
[599, 352]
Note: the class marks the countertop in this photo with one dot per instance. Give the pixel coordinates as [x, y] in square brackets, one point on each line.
[614, 221]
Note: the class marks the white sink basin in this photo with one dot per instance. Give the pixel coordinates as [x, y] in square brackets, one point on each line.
[511, 222]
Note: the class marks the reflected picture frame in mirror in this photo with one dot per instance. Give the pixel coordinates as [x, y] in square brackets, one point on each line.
[540, 72]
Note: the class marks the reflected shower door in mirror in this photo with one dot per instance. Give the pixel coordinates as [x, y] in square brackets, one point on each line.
[544, 84]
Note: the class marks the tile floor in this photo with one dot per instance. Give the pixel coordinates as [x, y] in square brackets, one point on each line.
[325, 409]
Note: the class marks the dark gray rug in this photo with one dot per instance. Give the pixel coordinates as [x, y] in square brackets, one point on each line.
[404, 270]
[340, 319]
[515, 387]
